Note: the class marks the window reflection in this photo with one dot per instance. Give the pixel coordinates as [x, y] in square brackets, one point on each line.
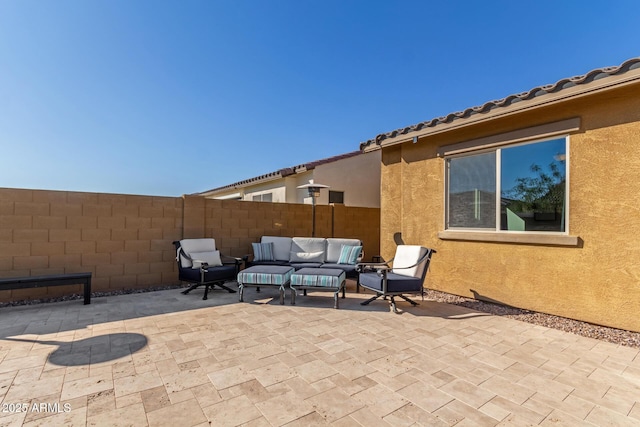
[472, 191]
[533, 182]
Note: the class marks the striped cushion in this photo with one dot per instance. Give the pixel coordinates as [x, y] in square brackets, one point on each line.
[334, 246]
[263, 251]
[264, 278]
[319, 279]
[349, 254]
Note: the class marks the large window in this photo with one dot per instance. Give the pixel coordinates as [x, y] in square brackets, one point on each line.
[530, 180]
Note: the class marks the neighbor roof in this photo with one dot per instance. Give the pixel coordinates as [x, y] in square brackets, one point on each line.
[598, 79]
[281, 173]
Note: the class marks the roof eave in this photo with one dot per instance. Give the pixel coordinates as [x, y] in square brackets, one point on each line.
[282, 173]
[599, 85]
[242, 184]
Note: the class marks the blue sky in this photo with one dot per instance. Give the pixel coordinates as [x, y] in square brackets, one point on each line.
[175, 97]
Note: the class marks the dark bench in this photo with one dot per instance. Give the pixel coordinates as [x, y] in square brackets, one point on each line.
[52, 280]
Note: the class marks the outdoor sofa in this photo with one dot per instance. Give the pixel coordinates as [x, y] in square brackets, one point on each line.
[308, 252]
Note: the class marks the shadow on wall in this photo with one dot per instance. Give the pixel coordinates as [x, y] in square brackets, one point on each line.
[397, 238]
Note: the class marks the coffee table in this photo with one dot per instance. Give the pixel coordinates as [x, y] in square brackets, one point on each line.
[264, 275]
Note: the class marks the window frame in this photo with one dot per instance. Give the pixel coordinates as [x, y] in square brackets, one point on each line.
[336, 192]
[261, 197]
[496, 234]
[446, 187]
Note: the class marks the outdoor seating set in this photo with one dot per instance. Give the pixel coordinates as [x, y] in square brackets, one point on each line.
[304, 263]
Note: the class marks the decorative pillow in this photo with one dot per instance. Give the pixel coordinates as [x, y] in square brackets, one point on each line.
[349, 254]
[212, 258]
[306, 257]
[263, 251]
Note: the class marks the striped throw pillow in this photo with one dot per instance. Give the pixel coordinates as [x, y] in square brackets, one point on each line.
[349, 254]
[263, 251]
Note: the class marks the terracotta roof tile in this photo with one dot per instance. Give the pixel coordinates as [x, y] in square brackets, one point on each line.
[560, 85]
[281, 173]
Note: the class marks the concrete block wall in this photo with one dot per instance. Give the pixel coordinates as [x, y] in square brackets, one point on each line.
[362, 223]
[125, 241]
[236, 224]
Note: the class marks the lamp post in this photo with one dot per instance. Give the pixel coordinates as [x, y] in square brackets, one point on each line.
[314, 192]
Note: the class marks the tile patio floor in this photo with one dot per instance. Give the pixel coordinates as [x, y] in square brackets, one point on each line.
[163, 358]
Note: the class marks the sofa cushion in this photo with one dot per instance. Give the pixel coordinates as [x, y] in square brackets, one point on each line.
[299, 265]
[281, 246]
[280, 263]
[308, 244]
[212, 258]
[306, 257]
[350, 269]
[307, 249]
[334, 246]
[263, 251]
[349, 254]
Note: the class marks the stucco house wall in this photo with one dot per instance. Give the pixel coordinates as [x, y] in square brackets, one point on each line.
[595, 280]
[356, 174]
[297, 195]
[358, 177]
[276, 188]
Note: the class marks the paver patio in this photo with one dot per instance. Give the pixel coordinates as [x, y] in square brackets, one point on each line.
[163, 358]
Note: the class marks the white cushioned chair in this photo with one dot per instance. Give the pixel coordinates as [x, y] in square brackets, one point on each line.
[410, 266]
[200, 264]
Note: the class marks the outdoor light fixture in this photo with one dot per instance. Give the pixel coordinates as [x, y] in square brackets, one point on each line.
[314, 192]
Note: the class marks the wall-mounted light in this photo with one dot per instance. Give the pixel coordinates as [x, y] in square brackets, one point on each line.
[415, 139]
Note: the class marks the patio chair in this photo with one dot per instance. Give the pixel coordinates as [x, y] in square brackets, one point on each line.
[410, 266]
[200, 264]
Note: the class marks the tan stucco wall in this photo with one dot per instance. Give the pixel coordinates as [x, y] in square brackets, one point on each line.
[276, 188]
[357, 176]
[599, 281]
[297, 195]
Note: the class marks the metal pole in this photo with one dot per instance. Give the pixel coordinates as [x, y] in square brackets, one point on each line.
[313, 216]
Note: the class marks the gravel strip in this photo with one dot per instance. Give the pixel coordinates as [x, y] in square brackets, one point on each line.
[603, 333]
[93, 295]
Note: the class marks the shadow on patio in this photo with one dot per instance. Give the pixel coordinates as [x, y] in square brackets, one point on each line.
[53, 318]
[173, 359]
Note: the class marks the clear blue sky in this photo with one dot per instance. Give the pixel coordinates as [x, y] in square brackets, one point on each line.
[175, 97]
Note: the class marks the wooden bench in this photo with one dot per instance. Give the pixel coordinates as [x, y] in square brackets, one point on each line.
[52, 280]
